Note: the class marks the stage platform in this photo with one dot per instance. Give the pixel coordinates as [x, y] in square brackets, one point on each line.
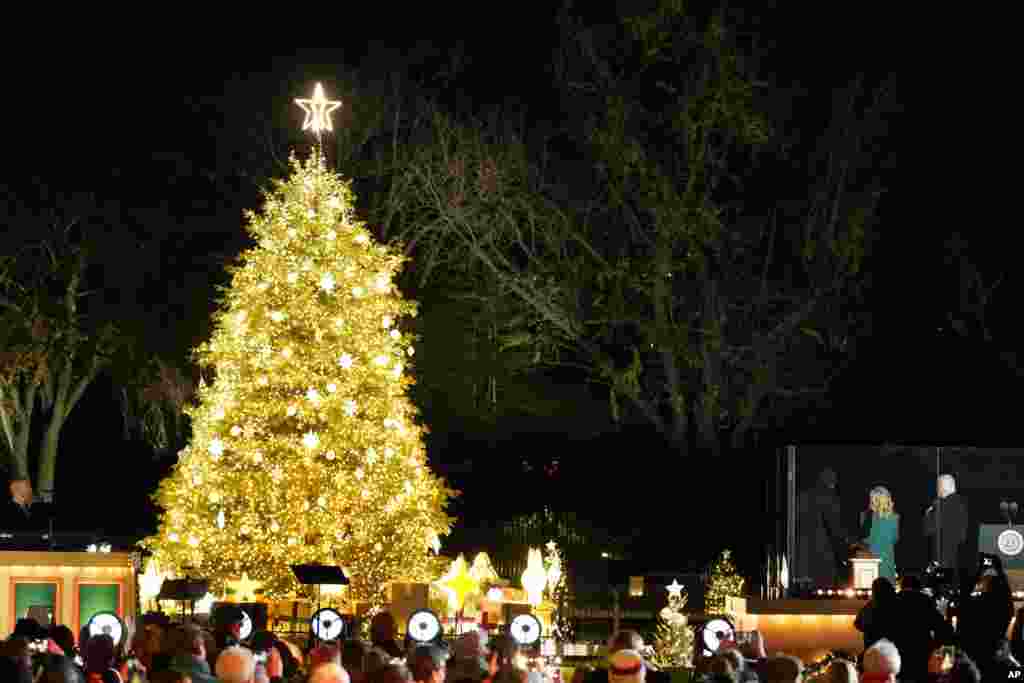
[807, 629]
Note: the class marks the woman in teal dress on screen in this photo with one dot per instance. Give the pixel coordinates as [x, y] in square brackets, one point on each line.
[881, 529]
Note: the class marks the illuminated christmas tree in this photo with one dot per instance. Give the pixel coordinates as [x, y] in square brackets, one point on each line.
[724, 581]
[305, 447]
[673, 641]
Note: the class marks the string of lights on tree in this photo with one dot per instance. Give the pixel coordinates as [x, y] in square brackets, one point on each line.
[305, 447]
[724, 581]
[673, 640]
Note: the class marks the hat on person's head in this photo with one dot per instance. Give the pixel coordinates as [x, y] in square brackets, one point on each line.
[626, 666]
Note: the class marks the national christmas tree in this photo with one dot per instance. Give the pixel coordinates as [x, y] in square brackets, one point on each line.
[305, 447]
[673, 642]
[723, 582]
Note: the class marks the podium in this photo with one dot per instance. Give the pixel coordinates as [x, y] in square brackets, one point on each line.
[1007, 543]
[864, 567]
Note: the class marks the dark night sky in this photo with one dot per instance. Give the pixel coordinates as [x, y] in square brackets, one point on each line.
[145, 126]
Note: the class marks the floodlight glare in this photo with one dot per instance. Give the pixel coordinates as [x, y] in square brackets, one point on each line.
[526, 630]
[423, 626]
[108, 623]
[327, 624]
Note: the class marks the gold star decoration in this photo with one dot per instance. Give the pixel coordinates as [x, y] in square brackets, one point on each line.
[459, 583]
[244, 589]
[318, 111]
[675, 589]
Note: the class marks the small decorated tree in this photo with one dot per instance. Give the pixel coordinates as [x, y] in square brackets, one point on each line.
[724, 582]
[673, 641]
[558, 591]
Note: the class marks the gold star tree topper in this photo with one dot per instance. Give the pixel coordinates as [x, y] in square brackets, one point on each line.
[675, 589]
[318, 111]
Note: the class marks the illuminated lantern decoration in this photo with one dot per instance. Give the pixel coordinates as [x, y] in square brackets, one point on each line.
[534, 578]
[482, 570]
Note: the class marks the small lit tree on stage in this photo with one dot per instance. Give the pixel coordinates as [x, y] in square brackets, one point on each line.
[305, 448]
[724, 582]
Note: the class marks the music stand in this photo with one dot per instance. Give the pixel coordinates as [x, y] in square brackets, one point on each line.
[319, 575]
[184, 590]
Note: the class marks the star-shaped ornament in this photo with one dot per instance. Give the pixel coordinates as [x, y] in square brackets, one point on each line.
[245, 588]
[318, 111]
[459, 582]
[551, 545]
[675, 589]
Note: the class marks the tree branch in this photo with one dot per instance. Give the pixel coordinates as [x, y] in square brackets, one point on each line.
[6, 420]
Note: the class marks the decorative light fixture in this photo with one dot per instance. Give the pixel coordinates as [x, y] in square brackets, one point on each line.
[106, 623]
[318, 111]
[534, 578]
[423, 626]
[526, 630]
[327, 624]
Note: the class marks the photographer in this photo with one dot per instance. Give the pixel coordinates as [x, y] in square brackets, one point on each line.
[985, 614]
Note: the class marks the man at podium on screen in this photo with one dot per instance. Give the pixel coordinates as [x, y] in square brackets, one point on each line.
[945, 523]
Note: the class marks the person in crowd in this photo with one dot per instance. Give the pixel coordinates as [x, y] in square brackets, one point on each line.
[783, 669]
[1017, 636]
[228, 629]
[267, 656]
[189, 655]
[210, 645]
[468, 664]
[503, 653]
[16, 660]
[919, 628]
[376, 659]
[59, 669]
[325, 653]
[754, 653]
[382, 634]
[353, 659]
[235, 664]
[1004, 666]
[329, 672]
[427, 664]
[882, 663]
[985, 615]
[289, 663]
[170, 676]
[964, 670]
[626, 666]
[841, 671]
[877, 619]
[744, 672]
[721, 667]
[390, 673]
[65, 639]
[101, 660]
[880, 530]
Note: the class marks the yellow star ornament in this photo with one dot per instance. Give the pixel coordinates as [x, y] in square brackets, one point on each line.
[318, 111]
[675, 589]
[459, 583]
[244, 589]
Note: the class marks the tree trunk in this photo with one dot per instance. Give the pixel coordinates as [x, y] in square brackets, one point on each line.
[48, 454]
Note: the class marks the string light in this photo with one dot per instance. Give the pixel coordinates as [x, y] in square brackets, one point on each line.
[306, 438]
